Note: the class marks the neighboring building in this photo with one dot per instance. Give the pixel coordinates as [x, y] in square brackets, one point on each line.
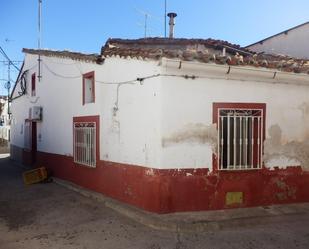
[168, 124]
[292, 42]
[4, 121]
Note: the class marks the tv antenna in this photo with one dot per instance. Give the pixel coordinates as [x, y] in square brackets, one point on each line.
[145, 24]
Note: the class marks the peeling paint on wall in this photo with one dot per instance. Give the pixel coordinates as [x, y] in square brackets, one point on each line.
[293, 153]
[287, 191]
[193, 133]
[149, 172]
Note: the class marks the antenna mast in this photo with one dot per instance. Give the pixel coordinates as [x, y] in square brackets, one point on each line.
[145, 26]
[165, 18]
[39, 38]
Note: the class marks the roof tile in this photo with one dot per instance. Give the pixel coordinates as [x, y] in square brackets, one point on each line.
[202, 50]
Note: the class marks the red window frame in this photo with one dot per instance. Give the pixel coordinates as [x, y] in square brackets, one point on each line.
[33, 87]
[89, 119]
[231, 105]
[89, 75]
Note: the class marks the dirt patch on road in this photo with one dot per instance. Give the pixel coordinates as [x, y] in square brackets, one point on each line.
[15, 216]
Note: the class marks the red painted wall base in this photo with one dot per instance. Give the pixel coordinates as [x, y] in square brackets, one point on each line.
[165, 191]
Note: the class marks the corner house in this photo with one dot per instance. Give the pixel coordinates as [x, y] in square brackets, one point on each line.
[168, 125]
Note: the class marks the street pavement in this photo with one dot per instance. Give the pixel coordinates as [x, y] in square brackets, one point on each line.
[51, 216]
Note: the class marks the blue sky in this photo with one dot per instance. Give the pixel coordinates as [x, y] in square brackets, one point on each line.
[84, 26]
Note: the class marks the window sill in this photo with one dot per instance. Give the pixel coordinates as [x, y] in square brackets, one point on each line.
[85, 165]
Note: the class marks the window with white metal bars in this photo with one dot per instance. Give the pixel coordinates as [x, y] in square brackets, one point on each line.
[85, 143]
[240, 138]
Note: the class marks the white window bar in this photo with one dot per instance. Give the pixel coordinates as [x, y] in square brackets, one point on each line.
[228, 140]
[258, 143]
[221, 142]
[85, 144]
[262, 141]
[246, 142]
[252, 142]
[240, 139]
[93, 147]
[234, 142]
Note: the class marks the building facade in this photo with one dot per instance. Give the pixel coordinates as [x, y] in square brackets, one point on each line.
[292, 42]
[5, 121]
[167, 125]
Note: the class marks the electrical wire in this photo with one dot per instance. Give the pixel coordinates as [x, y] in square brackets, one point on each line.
[136, 80]
[141, 79]
[30, 68]
[59, 75]
[6, 56]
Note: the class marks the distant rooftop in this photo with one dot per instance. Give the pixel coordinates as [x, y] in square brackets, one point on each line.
[282, 32]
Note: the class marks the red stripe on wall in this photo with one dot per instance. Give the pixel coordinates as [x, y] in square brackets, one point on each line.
[172, 190]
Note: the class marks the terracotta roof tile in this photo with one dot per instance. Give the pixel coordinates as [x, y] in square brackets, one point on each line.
[202, 50]
[65, 54]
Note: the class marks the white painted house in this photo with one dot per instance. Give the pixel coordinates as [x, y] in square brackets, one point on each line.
[168, 124]
[5, 121]
[292, 42]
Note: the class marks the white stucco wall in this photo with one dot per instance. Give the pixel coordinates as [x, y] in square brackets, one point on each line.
[155, 119]
[293, 43]
[5, 126]
[187, 109]
[130, 135]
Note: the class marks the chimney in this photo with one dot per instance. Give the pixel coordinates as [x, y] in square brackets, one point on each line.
[171, 23]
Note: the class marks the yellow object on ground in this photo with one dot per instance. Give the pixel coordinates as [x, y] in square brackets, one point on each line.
[35, 175]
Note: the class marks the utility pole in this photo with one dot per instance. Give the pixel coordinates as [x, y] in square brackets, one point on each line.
[39, 39]
[145, 25]
[8, 84]
[9, 63]
[165, 4]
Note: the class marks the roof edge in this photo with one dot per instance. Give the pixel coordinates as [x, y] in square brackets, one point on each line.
[282, 32]
[209, 42]
[65, 54]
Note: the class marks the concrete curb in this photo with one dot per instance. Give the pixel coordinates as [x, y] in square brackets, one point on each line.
[194, 221]
[146, 218]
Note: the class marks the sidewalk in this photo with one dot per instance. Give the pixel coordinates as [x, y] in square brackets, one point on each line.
[195, 221]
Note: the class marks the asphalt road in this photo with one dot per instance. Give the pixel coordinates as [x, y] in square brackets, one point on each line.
[51, 216]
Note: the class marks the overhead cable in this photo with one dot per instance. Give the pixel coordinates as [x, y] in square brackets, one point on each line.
[6, 56]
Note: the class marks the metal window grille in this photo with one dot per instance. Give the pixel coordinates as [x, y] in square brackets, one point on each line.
[240, 140]
[85, 144]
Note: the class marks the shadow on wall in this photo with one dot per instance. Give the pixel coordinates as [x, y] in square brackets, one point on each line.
[293, 153]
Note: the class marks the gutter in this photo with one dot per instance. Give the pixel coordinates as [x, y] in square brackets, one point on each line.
[244, 73]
